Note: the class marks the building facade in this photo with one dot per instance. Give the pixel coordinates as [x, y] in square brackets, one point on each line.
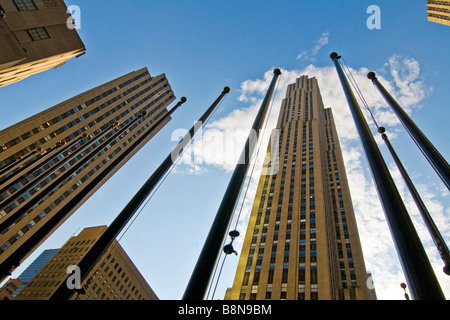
[35, 35]
[114, 277]
[439, 11]
[69, 151]
[33, 269]
[9, 288]
[302, 240]
[14, 286]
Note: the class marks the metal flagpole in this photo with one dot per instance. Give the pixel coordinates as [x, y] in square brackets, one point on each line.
[416, 266]
[86, 264]
[36, 159]
[13, 172]
[429, 151]
[37, 175]
[431, 226]
[18, 161]
[21, 252]
[201, 276]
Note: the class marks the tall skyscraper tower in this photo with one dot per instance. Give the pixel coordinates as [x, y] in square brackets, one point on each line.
[35, 35]
[67, 152]
[302, 240]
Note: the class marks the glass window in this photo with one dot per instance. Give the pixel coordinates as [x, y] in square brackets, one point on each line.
[37, 34]
[25, 5]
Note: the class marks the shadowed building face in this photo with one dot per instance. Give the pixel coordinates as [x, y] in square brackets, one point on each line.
[35, 35]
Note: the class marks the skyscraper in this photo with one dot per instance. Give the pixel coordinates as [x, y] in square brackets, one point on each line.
[14, 285]
[114, 277]
[67, 152]
[439, 11]
[302, 240]
[36, 266]
[35, 35]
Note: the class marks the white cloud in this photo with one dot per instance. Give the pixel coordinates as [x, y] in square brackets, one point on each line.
[221, 141]
[410, 87]
[323, 40]
[309, 55]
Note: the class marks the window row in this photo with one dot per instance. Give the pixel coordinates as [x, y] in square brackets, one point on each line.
[66, 114]
[73, 159]
[34, 221]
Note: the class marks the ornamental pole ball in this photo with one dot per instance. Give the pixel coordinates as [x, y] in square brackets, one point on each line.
[333, 55]
[371, 75]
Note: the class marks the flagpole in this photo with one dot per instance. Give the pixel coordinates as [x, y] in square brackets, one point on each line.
[431, 226]
[95, 253]
[201, 276]
[416, 266]
[433, 156]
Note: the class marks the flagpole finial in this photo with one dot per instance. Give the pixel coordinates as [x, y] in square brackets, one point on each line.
[371, 75]
[334, 55]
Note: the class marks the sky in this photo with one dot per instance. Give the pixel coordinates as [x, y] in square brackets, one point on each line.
[203, 46]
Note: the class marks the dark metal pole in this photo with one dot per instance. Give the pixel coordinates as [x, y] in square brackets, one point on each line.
[416, 266]
[106, 239]
[5, 223]
[431, 226]
[55, 220]
[15, 172]
[201, 276]
[18, 161]
[51, 169]
[433, 156]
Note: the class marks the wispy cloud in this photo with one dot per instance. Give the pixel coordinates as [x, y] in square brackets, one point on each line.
[408, 82]
[309, 55]
[323, 40]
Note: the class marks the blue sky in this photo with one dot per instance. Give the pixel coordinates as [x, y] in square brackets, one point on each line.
[203, 46]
